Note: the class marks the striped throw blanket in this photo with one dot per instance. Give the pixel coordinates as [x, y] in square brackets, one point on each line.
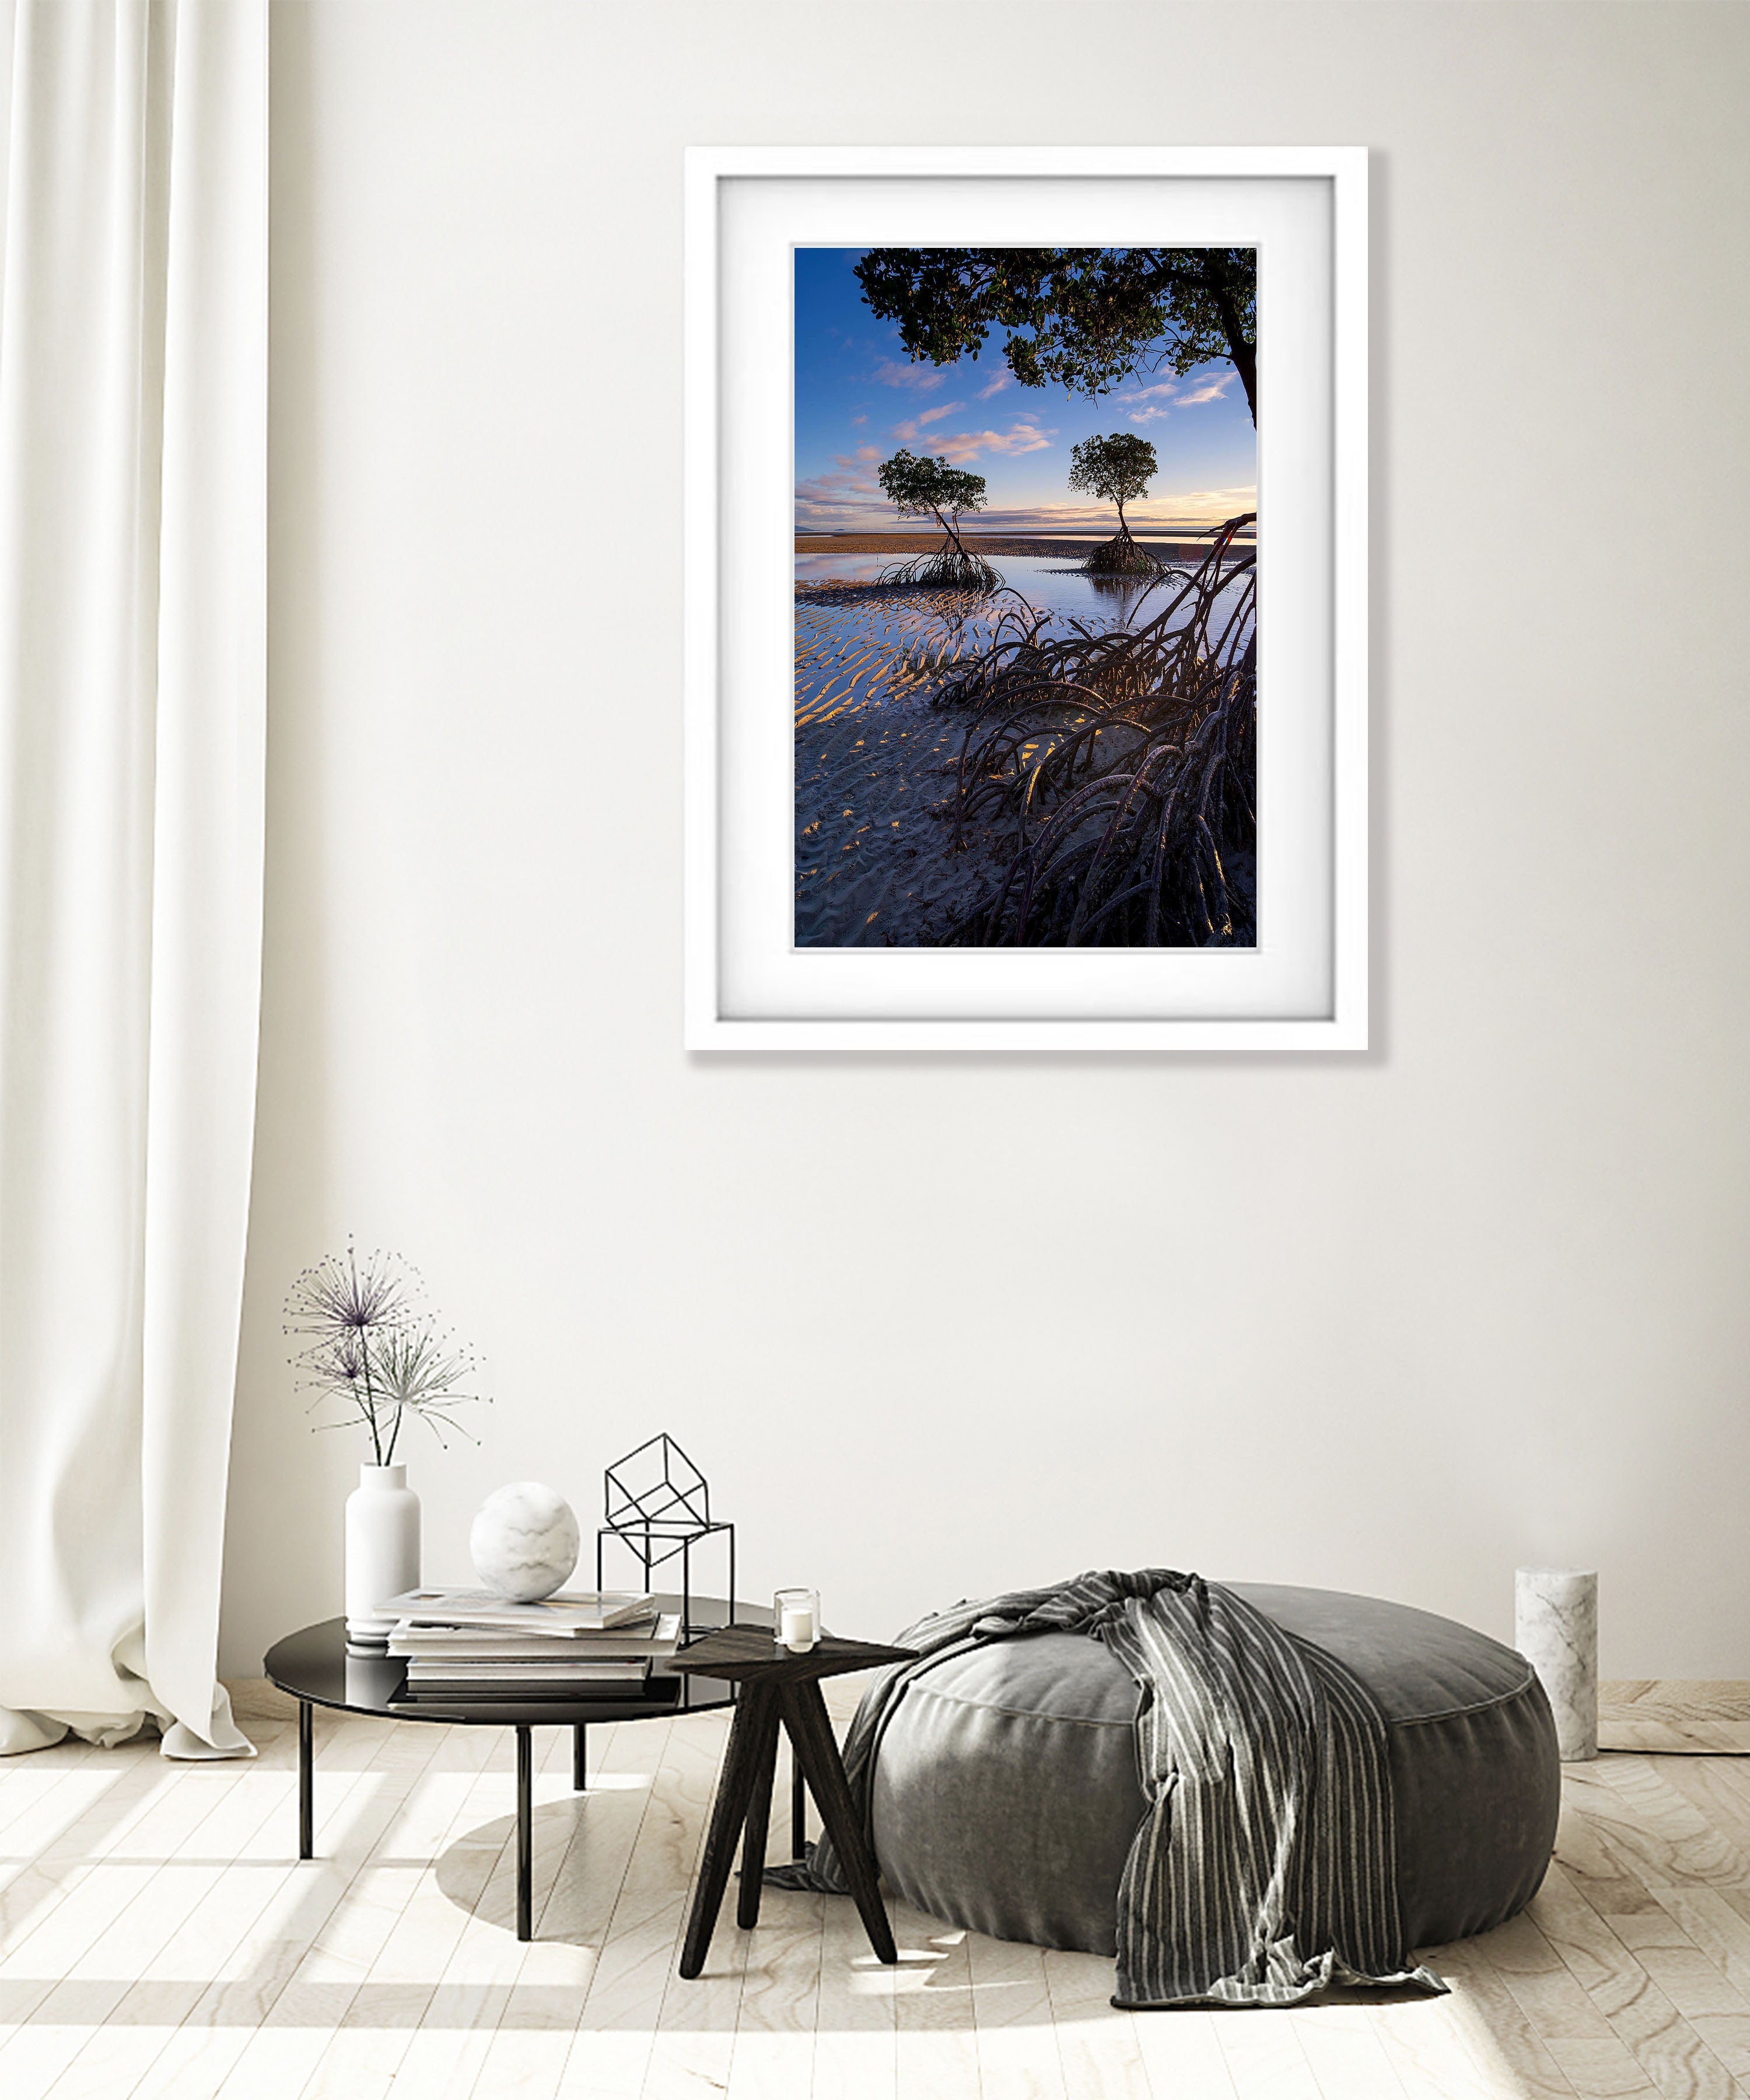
[1265, 1867]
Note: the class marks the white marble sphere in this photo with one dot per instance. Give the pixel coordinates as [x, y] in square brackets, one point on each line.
[524, 1541]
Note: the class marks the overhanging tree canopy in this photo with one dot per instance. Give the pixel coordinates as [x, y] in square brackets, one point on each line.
[1084, 317]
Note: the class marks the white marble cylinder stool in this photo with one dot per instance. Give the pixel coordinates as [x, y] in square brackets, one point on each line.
[1556, 1630]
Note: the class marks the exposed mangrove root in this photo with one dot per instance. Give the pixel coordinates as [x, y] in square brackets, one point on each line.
[1120, 556]
[1123, 766]
[953, 566]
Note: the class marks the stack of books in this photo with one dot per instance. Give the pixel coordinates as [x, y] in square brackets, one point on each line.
[469, 1647]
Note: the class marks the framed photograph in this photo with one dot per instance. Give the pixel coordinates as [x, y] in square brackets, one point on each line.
[1026, 598]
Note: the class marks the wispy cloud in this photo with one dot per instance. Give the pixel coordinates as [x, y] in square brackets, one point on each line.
[1209, 388]
[1148, 404]
[1220, 502]
[852, 492]
[1000, 380]
[962, 448]
[856, 419]
[907, 432]
[1183, 516]
[925, 378]
[1144, 404]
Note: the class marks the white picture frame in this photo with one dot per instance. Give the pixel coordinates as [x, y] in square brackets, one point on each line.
[1305, 985]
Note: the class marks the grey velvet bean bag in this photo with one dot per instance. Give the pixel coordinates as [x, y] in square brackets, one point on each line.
[1006, 1795]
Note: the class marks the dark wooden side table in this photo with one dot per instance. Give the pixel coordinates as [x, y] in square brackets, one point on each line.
[776, 1686]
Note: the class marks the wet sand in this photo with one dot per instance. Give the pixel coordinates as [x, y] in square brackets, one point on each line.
[876, 767]
[880, 860]
[880, 857]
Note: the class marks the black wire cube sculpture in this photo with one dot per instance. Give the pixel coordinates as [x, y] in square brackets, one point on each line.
[657, 1504]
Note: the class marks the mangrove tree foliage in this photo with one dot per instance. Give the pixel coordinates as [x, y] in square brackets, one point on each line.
[1087, 318]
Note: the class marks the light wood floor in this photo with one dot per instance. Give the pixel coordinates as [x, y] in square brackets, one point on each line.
[159, 1937]
[1674, 1713]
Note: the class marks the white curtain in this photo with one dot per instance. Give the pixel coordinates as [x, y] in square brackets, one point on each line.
[133, 448]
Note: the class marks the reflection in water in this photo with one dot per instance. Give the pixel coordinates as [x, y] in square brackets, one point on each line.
[1053, 583]
[1120, 595]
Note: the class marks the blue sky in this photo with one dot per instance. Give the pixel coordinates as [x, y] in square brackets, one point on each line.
[859, 399]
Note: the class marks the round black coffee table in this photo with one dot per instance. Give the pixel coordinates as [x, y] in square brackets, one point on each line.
[313, 1667]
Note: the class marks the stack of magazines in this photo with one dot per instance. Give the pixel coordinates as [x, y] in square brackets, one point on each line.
[468, 1646]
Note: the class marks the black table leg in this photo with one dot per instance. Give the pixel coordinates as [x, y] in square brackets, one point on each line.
[306, 1782]
[753, 1710]
[525, 1834]
[798, 1808]
[804, 1713]
[765, 1753]
[580, 1757]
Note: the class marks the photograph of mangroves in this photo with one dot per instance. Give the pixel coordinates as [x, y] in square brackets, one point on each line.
[1026, 552]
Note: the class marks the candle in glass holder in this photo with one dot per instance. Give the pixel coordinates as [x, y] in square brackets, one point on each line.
[796, 1619]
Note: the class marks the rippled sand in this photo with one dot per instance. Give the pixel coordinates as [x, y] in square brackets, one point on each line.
[878, 863]
[875, 766]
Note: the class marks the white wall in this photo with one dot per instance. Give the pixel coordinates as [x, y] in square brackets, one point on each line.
[939, 1326]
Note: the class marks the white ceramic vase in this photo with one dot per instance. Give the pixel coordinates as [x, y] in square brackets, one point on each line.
[382, 1550]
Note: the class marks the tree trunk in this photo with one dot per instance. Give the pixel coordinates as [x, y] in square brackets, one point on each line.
[951, 533]
[1243, 354]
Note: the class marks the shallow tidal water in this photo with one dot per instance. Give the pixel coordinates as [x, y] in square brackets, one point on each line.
[877, 861]
[1049, 583]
